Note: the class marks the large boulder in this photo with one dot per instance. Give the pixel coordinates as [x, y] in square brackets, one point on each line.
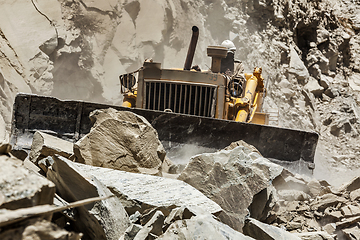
[140, 192]
[121, 140]
[106, 219]
[231, 178]
[20, 187]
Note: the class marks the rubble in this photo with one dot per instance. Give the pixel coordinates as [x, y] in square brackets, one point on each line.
[224, 195]
[39, 229]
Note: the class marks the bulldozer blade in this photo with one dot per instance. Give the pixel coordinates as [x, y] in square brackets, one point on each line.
[69, 120]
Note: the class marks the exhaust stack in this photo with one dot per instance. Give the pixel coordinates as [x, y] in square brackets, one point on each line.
[192, 47]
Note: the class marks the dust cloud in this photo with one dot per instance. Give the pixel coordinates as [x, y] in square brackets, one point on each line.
[181, 153]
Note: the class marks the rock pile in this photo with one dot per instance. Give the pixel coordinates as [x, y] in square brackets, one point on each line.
[308, 50]
[57, 192]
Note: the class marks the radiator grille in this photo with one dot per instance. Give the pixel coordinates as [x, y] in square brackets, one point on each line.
[192, 99]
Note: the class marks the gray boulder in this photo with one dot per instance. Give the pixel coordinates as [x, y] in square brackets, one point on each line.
[44, 145]
[20, 187]
[231, 178]
[121, 140]
[152, 227]
[106, 219]
[140, 192]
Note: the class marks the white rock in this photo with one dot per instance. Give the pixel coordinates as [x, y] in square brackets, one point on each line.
[297, 66]
[151, 190]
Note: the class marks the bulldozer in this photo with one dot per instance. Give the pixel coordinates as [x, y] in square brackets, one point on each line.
[209, 93]
[208, 109]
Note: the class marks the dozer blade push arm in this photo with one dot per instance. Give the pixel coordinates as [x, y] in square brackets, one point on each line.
[248, 104]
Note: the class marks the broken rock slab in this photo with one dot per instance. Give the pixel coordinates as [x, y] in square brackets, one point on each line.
[106, 219]
[121, 140]
[20, 187]
[140, 191]
[259, 230]
[231, 178]
[201, 227]
[44, 145]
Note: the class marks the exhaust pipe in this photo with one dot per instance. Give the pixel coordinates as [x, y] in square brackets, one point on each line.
[192, 47]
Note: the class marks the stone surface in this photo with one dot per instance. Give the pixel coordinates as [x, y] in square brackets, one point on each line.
[354, 195]
[231, 178]
[44, 145]
[121, 140]
[141, 192]
[77, 51]
[353, 185]
[352, 233]
[326, 200]
[154, 226]
[315, 236]
[201, 227]
[178, 213]
[293, 195]
[39, 229]
[20, 187]
[106, 219]
[314, 87]
[259, 230]
[297, 66]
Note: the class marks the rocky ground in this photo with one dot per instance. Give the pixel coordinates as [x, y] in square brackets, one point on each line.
[309, 52]
[105, 186]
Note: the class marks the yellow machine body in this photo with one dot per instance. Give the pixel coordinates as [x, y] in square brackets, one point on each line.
[203, 94]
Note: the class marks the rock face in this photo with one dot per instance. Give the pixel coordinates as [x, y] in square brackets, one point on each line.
[121, 140]
[231, 178]
[105, 219]
[21, 188]
[44, 145]
[140, 192]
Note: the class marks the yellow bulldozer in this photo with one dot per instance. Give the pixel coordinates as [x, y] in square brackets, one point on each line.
[209, 93]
